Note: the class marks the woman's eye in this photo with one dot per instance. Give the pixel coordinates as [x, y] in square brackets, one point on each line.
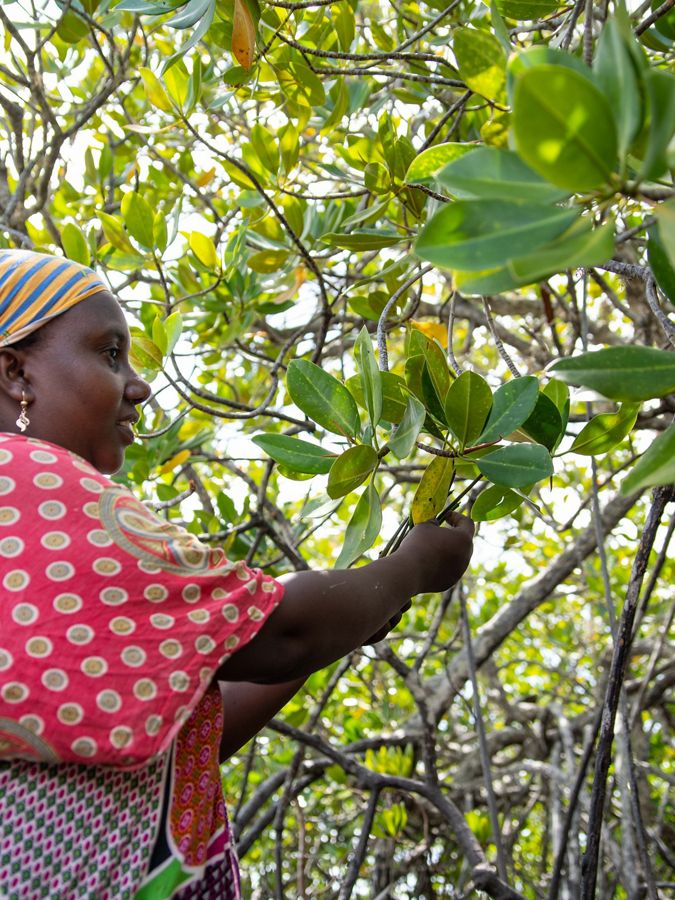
[113, 353]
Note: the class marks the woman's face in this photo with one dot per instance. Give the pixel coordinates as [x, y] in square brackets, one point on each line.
[83, 392]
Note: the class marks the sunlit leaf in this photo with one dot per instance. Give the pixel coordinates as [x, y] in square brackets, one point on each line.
[322, 397]
[425, 166]
[605, 431]
[481, 60]
[138, 219]
[154, 90]
[564, 128]
[350, 470]
[297, 454]
[432, 491]
[75, 244]
[204, 249]
[370, 376]
[363, 528]
[655, 466]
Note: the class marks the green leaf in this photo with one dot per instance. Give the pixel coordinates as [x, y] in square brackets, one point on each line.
[474, 235]
[344, 25]
[660, 264]
[544, 424]
[72, 28]
[481, 61]
[144, 353]
[539, 55]
[605, 431]
[616, 74]
[177, 84]
[154, 90]
[429, 392]
[665, 216]
[495, 502]
[350, 470]
[173, 325]
[160, 233]
[559, 393]
[661, 99]
[363, 528]
[512, 404]
[159, 334]
[467, 405]
[361, 240]
[495, 174]
[517, 465]
[266, 147]
[564, 127]
[656, 465]
[323, 398]
[115, 233]
[621, 373]
[138, 219]
[432, 491]
[75, 244]
[394, 395]
[526, 10]
[425, 166]
[488, 281]
[300, 456]
[437, 367]
[582, 245]
[370, 376]
[403, 440]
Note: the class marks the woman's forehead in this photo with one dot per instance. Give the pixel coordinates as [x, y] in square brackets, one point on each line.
[95, 316]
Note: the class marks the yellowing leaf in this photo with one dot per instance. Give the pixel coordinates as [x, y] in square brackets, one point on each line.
[205, 177]
[154, 90]
[433, 330]
[175, 461]
[204, 249]
[243, 34]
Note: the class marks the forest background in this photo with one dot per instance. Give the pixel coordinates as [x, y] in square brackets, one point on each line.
[367, 245]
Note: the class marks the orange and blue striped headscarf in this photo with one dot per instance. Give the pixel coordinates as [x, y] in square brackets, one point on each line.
[35, 287]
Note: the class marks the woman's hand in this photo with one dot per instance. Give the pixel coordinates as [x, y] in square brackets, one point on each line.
[439, 554]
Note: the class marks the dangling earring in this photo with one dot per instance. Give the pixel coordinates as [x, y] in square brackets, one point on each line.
[23, 421]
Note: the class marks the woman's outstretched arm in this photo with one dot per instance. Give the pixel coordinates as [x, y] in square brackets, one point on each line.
[325, 615]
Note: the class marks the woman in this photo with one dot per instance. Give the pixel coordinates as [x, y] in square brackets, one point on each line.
[129, 652]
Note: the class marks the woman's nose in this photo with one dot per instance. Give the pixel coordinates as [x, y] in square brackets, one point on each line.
[137, 390]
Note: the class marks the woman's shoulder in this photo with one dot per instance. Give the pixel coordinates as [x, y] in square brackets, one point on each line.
[19, 450]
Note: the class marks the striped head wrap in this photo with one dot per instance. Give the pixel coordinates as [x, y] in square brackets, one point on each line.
[35, 287]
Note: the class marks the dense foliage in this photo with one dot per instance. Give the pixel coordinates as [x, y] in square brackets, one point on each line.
[367, 247]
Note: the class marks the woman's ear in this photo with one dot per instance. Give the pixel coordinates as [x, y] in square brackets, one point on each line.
[13, 382]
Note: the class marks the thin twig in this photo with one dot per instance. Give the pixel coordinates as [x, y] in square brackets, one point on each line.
[653, 301]
[498, 341]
